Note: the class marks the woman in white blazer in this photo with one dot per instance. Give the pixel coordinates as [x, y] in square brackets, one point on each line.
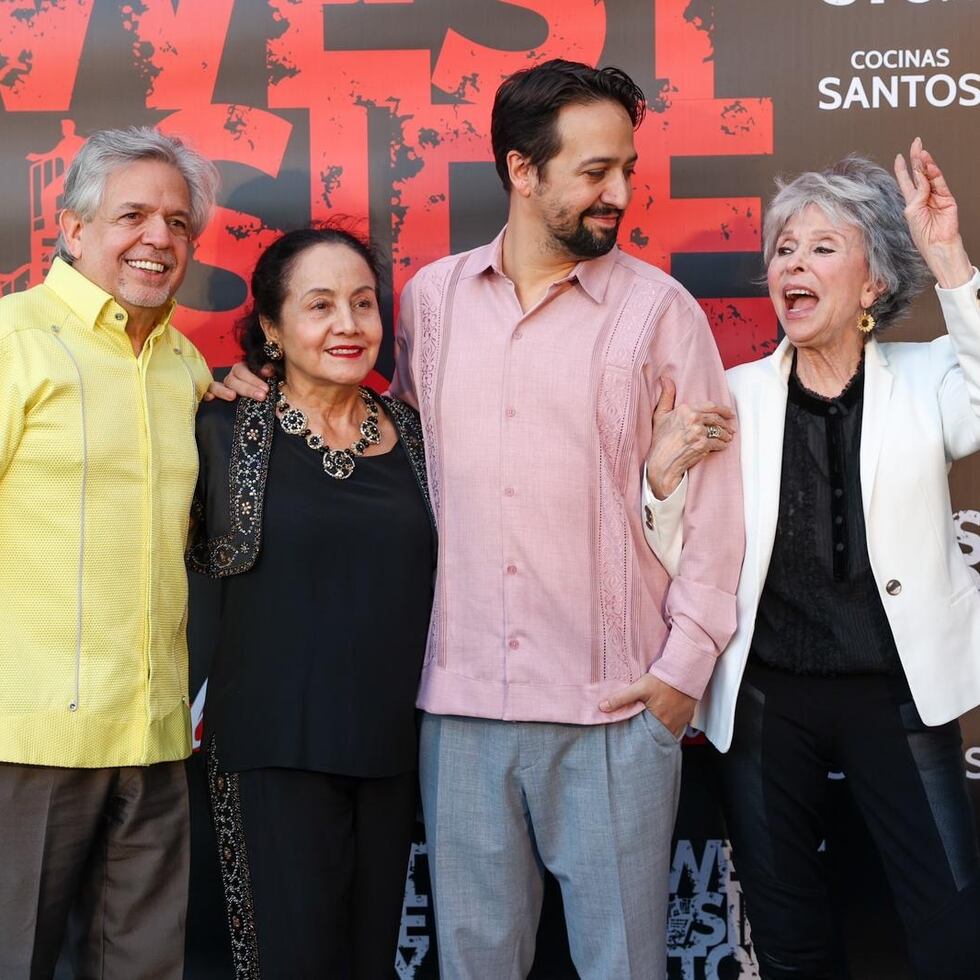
[858, 639]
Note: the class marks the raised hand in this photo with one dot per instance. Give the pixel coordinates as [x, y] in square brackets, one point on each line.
[683, 436]
[931, 213]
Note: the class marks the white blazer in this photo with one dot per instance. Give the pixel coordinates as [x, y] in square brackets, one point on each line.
[921, 412]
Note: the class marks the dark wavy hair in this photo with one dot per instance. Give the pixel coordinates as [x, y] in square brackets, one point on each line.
[270, 282]
[527, 104]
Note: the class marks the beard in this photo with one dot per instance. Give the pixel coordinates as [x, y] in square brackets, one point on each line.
[146, 297]
[573, 236]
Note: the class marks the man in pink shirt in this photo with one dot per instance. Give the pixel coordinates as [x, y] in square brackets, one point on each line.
[563, 663]
[535, 362]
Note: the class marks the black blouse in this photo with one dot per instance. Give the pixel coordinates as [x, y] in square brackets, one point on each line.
[321, 641]
[820, 611]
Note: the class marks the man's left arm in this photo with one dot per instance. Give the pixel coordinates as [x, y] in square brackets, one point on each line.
[199, 369]
[11, 404]
[700, 601]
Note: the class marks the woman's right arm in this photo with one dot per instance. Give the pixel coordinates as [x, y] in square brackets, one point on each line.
[682, 437]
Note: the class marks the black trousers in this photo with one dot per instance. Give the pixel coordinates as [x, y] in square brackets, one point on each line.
[908, 782]
[313, 867]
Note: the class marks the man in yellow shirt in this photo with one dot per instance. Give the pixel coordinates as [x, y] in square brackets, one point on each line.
[98, 394]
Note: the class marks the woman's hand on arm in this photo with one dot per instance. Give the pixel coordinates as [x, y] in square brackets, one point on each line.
[931, 212]
[240, 381]
[682, 437]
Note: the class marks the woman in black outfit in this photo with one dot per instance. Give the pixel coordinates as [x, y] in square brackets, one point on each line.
[312, 508]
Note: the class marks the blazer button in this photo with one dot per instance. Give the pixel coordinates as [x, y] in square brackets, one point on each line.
[893, 586]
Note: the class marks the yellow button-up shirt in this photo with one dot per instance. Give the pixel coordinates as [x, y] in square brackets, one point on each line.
[97, 467]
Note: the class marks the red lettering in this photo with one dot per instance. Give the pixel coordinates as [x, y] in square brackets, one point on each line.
[338, 88]
[576, 31]
[178, 51]
[688, 121]
[40, 48]
[232, 241]
[744, 329]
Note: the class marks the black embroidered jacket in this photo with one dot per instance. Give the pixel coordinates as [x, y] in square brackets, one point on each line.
[226, 528]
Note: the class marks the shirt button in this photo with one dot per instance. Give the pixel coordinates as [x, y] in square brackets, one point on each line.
[120, 316]
[832, 410]
[509, 492]
[838, 492]
[511, 412]
[511, 569]
[893, 586]
[518, 334]
[838, 520]
[838, 547]
[514, 644]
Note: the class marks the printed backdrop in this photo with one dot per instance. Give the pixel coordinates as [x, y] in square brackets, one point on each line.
[380, 111]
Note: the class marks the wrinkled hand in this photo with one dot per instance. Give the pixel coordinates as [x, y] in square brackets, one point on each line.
[931, 213]
[680, 438]
[240, 381]
[674, 708]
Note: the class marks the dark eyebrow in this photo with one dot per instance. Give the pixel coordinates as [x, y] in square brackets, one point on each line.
[592, 161]
[333, 292]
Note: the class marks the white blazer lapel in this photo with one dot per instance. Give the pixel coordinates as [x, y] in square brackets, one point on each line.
[878, 381]
[770, 405]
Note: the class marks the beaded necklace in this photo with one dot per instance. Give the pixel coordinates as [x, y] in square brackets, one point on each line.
[337, 463]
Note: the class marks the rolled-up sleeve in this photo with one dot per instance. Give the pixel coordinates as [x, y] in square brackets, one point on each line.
[700, 601]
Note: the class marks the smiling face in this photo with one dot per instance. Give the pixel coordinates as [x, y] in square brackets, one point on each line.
[329, 326]
[137, 244]
[819, 280]
[581, 193]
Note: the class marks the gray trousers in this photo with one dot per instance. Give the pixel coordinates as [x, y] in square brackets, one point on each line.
[99, 854]
[595, 805]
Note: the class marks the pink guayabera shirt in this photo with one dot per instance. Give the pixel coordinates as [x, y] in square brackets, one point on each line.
[537, 427]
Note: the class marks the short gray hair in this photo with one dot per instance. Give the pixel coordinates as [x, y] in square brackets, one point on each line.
[106, 150]
[857, 192]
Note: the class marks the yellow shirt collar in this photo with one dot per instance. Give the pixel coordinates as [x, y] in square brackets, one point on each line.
[92, 305]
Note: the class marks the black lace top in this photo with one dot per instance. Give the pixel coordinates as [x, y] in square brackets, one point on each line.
[820, 611]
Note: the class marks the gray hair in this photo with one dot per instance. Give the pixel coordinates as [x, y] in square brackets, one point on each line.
[106, 150]
[857, 192]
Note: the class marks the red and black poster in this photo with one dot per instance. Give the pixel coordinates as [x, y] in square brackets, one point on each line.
[379, 110]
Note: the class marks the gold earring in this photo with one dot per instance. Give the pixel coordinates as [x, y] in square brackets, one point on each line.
[866, 322]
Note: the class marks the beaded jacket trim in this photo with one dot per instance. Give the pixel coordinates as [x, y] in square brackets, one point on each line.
[248, 470]
[229, 831]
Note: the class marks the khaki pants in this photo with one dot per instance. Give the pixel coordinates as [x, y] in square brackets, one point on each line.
[99, 857]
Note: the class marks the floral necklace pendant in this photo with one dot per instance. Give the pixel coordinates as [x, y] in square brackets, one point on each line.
[337, 463]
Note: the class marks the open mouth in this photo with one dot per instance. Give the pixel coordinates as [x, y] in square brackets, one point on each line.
[348, 352]
[799, 299]
[146, 265]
